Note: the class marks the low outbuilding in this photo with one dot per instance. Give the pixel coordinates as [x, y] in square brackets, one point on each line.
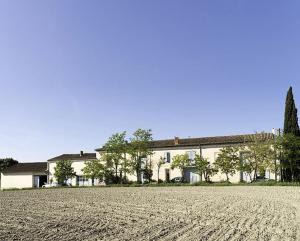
[24, 175]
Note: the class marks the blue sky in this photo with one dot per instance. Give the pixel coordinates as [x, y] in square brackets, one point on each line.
[74, 72]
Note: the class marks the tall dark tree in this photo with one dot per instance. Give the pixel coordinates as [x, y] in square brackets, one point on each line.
[291, 127]
[6, 162]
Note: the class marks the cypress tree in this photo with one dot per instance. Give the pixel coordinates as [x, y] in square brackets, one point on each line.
[290, 116]
[291, 126]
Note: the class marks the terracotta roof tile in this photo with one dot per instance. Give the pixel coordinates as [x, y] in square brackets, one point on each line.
[216, 140]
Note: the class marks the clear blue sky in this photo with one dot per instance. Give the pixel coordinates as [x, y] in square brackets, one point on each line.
[74, 72]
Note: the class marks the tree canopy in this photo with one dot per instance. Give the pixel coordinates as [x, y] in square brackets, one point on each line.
[7, 162]
[181, 162]
[94, 169]
[115, 149]
[227, 161]
[291, 125]
[63, 171]
[204, 167]
[139, 148]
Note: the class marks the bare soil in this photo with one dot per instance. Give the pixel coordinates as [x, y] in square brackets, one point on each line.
[144, 213]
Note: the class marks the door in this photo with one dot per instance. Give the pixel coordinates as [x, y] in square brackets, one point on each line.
[194, 177]
[36, 181]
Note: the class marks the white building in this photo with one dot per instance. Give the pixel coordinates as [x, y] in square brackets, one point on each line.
[24, 175]
[33, 174]
[207, 147]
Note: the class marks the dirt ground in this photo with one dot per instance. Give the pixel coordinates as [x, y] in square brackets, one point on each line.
[143, 213]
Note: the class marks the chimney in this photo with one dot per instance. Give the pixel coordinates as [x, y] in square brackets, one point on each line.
[81, 153]
[176, 140]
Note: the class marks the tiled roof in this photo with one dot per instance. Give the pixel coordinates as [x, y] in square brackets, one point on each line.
[216, 140]
[85, 156]
[32, 167]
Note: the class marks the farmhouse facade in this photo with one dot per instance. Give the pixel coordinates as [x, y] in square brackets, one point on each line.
[207, 147]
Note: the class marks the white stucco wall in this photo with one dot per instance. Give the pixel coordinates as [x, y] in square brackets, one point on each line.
[16, 180]
[162, 171]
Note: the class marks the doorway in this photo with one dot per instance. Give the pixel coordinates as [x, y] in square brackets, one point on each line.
[39, 181]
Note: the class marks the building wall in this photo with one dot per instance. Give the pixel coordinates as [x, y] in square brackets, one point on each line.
[16, 180]
[209, 151]
[162, 171]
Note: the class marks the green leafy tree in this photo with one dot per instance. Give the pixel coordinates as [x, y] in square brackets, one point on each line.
[181, 162]
[139, 148]
[94, 169]
[227, 161]
[63, 171]
[291, 127]
[258, 154]
[289, 146]
[204, 167]
[246, 165]
[115, 149]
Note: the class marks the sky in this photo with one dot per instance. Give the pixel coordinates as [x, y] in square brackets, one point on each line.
[72, 73]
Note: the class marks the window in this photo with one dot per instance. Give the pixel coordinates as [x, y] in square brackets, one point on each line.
[167, 157]
[191, 155]
[144, 162]
[82, 181]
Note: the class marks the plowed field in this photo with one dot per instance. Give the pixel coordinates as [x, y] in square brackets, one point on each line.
[166, 213]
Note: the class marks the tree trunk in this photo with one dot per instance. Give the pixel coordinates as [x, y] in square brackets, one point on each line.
[275, 165]
[138, 175]
[121, 177]
[227, 177]
[250, 177]
[125, 166]
[255, 175]
[116, 173]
